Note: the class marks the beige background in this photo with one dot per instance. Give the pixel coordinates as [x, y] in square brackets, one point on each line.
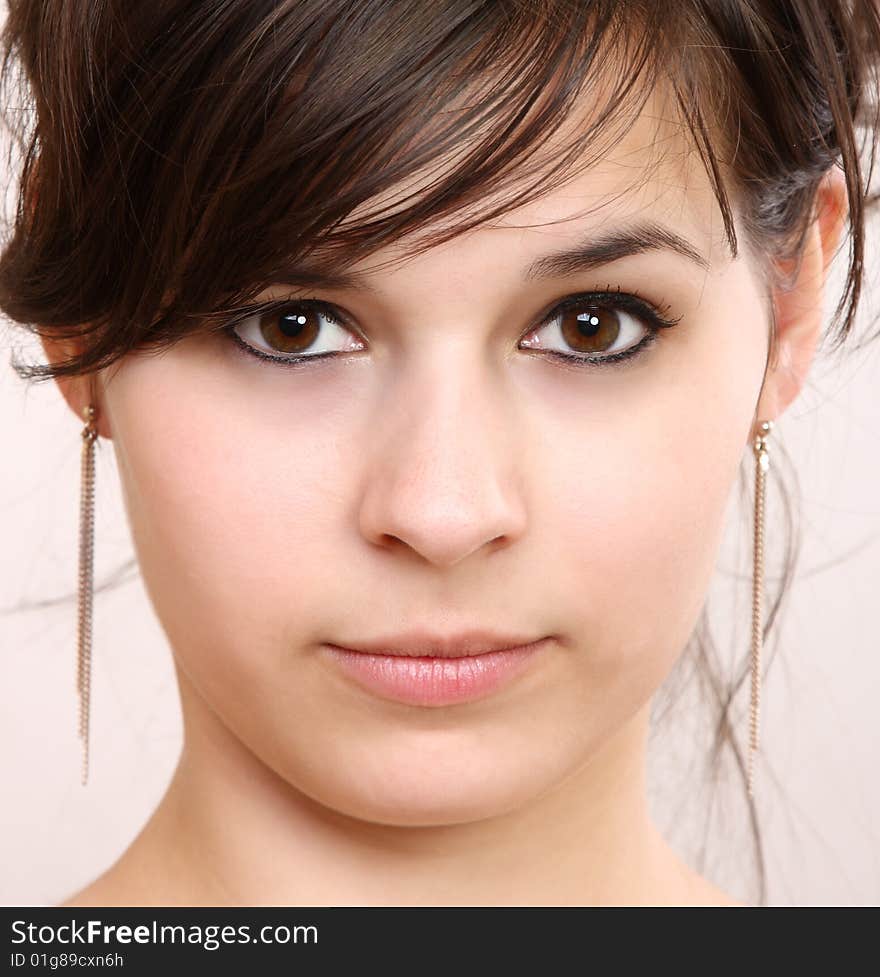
[818, 785]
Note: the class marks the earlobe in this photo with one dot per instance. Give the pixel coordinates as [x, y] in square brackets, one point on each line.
[798, 308]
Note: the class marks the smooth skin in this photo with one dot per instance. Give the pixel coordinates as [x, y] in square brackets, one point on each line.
[445, 475]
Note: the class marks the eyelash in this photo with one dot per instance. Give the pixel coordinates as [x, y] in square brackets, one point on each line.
[654, 318]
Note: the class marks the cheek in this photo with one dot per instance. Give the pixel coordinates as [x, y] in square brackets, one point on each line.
[233, 531]
[636, 554]
[639, 511]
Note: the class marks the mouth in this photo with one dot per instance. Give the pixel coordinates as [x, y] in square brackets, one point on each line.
[433, 644]
[455, 675]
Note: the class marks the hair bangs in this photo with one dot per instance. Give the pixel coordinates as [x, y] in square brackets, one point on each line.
[315, 197]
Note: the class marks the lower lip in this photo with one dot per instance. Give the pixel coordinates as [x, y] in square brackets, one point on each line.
[427, 681]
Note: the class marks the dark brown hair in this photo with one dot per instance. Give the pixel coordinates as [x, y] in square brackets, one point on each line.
[179, 157]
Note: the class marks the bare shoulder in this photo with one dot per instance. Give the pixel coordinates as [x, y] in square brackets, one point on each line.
[690, 888]
[718, 897]
[682, 885]
[130, 883]
[123, 884]
[706, 893]
[100, 892]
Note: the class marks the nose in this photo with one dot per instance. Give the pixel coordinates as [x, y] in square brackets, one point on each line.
[443, 474]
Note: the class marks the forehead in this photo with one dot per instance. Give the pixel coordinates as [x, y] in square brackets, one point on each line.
[642, 166]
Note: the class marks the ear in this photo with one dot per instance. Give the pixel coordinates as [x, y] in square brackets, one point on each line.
[799, 309]
[78, 391]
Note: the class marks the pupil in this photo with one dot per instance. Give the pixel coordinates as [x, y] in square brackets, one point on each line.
[292, 323]
[589, 324]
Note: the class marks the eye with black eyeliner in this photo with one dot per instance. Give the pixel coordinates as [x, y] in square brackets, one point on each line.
[289, 327]
[588, 322]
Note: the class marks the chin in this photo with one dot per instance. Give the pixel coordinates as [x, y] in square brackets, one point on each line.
[422, 794]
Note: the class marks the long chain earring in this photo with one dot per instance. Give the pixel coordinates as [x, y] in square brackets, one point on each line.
[762, 463]
[86, 550]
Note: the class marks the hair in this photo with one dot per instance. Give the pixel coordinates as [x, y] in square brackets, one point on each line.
[179, 157]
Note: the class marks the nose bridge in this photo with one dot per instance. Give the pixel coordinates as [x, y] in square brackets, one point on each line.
[448, 418]
[441, 471]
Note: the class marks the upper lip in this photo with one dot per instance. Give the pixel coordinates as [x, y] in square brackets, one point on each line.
[476, 641]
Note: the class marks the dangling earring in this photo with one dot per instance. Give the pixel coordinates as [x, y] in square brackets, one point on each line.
[86, 549]
[762, 463]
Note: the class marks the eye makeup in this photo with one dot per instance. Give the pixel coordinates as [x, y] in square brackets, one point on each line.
[586, 311]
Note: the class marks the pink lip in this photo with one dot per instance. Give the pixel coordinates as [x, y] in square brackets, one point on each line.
[434, 681]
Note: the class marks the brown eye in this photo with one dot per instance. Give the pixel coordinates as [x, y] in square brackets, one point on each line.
[290, 331]
[594, 331]
[590, 331]
[296, 329]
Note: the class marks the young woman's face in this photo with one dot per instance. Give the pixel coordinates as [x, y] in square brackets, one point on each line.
[445, 471]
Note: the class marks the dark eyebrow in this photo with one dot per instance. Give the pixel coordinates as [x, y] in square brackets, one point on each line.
[304, 276]
[595, 251]
[605, 248]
